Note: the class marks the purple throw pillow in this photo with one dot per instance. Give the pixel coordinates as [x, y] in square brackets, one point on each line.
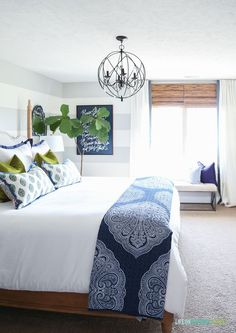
[208, 173]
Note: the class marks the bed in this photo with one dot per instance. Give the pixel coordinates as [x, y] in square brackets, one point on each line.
[47, 249]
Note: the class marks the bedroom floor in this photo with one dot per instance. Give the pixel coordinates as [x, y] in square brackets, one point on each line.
[208, 250]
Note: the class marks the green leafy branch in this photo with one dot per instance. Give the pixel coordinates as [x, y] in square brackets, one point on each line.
[97, 125]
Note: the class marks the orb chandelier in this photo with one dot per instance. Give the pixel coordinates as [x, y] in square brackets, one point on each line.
[121, 74]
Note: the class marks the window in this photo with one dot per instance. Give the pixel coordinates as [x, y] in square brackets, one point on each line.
[181, 135]
[201, 138]
[167, 141]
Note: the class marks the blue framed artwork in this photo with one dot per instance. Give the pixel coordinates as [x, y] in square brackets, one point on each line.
[89, 144]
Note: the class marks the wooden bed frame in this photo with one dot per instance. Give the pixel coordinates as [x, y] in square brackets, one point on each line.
[62, 301]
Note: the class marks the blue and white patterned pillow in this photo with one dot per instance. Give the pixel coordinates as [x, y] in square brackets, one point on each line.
[62, 174]
[26, 187]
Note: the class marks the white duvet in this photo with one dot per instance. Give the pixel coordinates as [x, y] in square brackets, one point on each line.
[49, 245]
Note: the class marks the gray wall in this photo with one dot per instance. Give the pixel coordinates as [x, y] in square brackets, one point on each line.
[90, 93]
[23, 78]
[17, 85]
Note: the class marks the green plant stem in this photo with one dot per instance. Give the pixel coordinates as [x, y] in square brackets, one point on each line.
[81, 163]
[81, 156]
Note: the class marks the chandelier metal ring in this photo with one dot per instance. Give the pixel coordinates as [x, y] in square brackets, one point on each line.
[121, 74]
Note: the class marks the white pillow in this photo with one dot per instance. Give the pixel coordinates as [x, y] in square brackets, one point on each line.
[195, 175]
[21, 150]
[62, 174]
[42, 148]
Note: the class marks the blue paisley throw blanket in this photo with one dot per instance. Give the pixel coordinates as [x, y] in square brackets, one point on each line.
[132, 253]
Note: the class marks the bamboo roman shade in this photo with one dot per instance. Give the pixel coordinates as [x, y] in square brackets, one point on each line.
[189, 95]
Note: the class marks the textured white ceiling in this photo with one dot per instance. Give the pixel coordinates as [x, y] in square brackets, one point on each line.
[67, 39]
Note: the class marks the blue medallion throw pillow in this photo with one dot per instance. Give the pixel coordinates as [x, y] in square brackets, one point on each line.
[26, 187]
[62, 174]
[208, 173]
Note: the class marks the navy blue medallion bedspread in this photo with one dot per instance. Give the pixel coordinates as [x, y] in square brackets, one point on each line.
[132, 253]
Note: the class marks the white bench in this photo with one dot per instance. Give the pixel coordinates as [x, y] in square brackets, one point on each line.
[182, 186]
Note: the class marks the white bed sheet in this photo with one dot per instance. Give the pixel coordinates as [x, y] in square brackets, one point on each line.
[49, 245]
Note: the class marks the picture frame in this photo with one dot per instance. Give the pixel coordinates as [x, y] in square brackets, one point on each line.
[89, 144]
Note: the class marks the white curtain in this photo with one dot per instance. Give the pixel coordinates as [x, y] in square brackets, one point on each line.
[227, 141]
[140, 132]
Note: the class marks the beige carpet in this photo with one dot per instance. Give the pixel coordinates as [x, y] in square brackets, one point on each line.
[208, 249]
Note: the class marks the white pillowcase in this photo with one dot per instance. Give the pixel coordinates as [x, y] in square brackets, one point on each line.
[22, 150]
[62, 174]
[42, 148]
[195, 175]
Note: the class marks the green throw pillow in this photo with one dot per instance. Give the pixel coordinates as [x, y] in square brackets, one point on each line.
[13, 166]
[49, 158]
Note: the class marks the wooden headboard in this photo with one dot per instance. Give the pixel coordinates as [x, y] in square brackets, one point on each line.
[29, 120]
